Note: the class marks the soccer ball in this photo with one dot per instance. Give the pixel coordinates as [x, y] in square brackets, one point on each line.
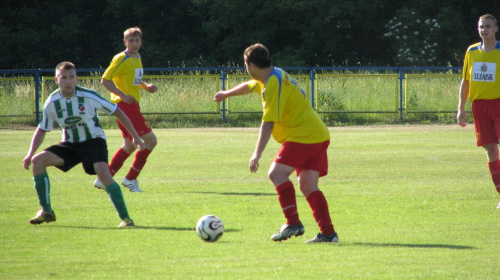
[210, 228]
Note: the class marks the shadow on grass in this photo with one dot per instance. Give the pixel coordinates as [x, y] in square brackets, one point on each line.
[140, 227]
[431, 246]
[238, 193]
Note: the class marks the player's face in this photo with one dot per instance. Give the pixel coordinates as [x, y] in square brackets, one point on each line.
[133, 43]
[248, 67]
[487, 28]
[66, 79]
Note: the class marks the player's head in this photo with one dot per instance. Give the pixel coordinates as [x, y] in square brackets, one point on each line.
[132, 31]
[66, 77]
[132, 38]
[258, 55]
[65, 65]
[487, 26]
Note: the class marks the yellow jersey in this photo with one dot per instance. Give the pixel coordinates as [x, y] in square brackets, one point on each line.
[126, 72]
[287, 105]
[480, 69]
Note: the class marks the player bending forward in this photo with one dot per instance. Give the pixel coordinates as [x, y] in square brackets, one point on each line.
[75, 108]
[290, 119]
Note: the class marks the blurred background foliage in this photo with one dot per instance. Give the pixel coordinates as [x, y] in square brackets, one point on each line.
[207, 33]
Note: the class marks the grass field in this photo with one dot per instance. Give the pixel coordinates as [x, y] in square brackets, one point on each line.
[408, 202]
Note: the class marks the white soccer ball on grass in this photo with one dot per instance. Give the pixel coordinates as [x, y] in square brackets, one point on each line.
[210, 228]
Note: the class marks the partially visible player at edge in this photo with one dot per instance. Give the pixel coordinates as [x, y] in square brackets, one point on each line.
[123, 78]
[290, 119]
[75, 108]
[481, 84]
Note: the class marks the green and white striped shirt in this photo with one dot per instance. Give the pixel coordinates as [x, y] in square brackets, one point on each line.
[77, 115]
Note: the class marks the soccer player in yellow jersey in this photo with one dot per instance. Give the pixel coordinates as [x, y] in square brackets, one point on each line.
[481, 84]
[123, 78]
[290, 119]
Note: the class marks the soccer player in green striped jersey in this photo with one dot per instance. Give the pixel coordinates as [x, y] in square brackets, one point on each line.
[74, 109]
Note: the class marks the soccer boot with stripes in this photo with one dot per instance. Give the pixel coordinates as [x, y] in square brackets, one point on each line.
[287, 231]
[132, 185]
[322, 238]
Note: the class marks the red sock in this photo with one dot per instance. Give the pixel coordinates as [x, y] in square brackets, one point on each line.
[319, 206]
[117, 161]
[288, 202]
[494, 167]
[139, 162]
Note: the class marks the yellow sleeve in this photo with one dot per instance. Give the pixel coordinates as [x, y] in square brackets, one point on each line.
[112, 69]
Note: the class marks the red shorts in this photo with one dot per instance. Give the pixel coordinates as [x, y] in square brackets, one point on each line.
[486, 115]
[304, 156]
[133, 113]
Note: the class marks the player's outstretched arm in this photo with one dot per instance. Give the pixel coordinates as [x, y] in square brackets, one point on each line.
[240, 89]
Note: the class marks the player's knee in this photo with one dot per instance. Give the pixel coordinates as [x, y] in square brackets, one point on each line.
[39, 160]
[307, 189]
[276, 177]
[150, 141]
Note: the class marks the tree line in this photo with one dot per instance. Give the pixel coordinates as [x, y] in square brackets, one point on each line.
[207, 33]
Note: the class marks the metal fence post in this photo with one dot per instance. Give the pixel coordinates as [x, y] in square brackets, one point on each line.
[37, 96]
[401, 78]
[223, 79]
[311, 78]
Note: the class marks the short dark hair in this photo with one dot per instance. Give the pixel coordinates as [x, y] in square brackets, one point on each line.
[65, 65]
[257, 54]
[488, 16]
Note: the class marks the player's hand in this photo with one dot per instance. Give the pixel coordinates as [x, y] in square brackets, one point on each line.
[138, 144]
[129, 99]
[27, 162]
[219, 96]
[462, 118]
[151, 88]
[254, 163]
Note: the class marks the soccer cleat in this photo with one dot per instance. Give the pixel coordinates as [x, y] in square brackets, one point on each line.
[127, 222]
[287, 231]
[321, 238]
[498, 206]
[132, 185]
[43, 217]
[98, 184]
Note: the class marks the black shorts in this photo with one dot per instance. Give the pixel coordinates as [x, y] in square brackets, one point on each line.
[88, 153]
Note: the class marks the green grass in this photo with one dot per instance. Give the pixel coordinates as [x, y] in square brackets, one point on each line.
[186, 99]
[408, 202]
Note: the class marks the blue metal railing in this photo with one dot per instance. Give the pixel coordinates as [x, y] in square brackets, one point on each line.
[38, 73]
